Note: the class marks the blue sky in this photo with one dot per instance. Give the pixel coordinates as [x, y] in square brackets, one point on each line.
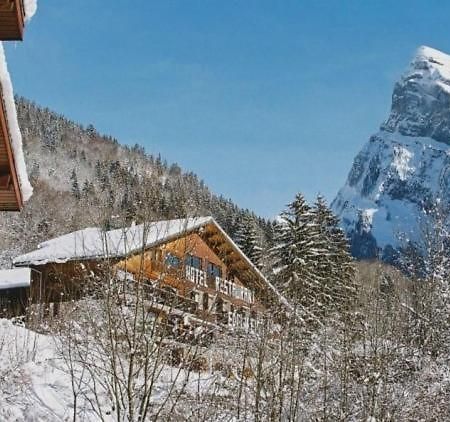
[261, 99]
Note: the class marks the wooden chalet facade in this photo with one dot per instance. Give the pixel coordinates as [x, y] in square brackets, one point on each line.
[193, 273]
[13, 177]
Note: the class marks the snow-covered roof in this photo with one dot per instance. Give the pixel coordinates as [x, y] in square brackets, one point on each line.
[30, 7]
[93, 242]
[13, 126]
[17, 277]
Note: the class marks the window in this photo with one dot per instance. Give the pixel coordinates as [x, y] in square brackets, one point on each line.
[172, 261]
[214, 270]
[194, 261]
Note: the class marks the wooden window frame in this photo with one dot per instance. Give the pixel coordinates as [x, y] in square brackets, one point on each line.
[189, 261]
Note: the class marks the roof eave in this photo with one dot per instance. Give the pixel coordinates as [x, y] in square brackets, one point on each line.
[12, 164]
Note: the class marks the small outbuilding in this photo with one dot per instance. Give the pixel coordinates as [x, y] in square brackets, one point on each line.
[14, 291]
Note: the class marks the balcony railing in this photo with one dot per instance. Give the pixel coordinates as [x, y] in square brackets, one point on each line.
[170, 299]
[172, 303]
[201, 278]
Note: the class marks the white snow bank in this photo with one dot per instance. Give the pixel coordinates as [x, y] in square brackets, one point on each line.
[30, 8]
[17, 277]
[14, 130]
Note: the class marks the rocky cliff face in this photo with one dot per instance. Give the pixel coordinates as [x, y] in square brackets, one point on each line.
[404, 169]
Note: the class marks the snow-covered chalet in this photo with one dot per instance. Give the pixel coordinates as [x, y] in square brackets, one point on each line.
[192, 271]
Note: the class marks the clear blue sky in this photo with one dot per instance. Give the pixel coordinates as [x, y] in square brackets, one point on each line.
[261, 99]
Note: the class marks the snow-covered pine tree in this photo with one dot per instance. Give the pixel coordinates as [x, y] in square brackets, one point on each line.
[249, 240]
[295, 257]
[335, 265]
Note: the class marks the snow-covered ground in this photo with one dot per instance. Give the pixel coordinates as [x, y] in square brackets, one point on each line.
[35, 382]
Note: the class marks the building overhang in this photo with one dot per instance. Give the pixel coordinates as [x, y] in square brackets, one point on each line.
[10, 194]
[12, 20]
[15, 278]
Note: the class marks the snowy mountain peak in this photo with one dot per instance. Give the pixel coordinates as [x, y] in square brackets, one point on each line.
[434, 58]
[429, 67]
[421, 99]
[405, 167]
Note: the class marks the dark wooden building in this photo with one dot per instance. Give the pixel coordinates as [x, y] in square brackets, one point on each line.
[14, 291]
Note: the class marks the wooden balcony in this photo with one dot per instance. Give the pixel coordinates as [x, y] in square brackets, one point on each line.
[12, 20]
[10, 194]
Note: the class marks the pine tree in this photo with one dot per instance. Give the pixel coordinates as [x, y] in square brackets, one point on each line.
[248, 239]
[75, 189]
[295, 255]
[128, 207]
[335, 265]
[311, 262]
[88, 189]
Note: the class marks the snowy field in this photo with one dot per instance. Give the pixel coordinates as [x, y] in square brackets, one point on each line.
[35, 382]
[35, 385]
